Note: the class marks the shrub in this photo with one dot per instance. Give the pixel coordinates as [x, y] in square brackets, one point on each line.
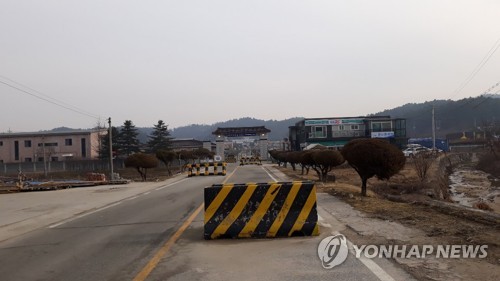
[373, 157]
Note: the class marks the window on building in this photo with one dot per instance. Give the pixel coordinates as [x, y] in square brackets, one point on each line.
[383, 126]
[341, 127]
[84, 147]
[1, 143]
[318, 132]
[354, 127]
[68, 142]
[28, 159]
[27, 143]
[387, 126]
[48, 144]
[400, 128]
[54, 159]
[16, 150]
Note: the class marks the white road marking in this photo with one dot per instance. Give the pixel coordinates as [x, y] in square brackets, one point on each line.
[83, 215]
[322, 222]
[370, 264]
[269, 174]
[168, 185]
[109, 206]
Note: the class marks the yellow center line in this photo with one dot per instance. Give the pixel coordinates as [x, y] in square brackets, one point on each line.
[151, 265]
[163, 251]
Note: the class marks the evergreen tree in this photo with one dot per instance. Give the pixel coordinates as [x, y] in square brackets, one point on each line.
[127, 139]
[104, 144]
[159, 138]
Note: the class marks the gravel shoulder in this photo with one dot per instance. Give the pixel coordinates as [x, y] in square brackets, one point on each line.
[376, 220]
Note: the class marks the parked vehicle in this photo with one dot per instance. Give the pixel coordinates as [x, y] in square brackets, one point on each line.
[412, 151]
[441, 144]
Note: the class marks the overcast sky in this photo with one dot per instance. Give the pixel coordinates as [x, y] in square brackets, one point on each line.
[200, 62]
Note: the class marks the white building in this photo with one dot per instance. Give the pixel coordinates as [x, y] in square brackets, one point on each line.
[53, 146]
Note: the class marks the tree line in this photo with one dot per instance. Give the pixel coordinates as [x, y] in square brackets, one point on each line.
[144, 161]
[125, 141]
[369, 157]
[144, 156]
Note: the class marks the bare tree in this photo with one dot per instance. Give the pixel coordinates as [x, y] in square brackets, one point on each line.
[422, 163]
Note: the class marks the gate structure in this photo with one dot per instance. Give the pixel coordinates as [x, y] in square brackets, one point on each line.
[232, 132]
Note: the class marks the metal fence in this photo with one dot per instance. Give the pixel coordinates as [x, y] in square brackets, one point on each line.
[59, 166]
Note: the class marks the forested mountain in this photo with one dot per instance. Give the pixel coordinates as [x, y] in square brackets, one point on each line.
[279, 129]
[451, 116]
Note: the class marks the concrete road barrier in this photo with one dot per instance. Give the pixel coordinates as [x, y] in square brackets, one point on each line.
[259, 210]
[207, 169]
[250, 161]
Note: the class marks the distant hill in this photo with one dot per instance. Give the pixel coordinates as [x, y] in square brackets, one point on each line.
[63, 129]
[451, 116]
[495, 96]
[279, 128]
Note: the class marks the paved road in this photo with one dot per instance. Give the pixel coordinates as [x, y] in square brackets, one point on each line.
[117, 241]
[110, 244]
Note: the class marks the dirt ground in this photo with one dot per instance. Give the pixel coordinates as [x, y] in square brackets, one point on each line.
[440, 228]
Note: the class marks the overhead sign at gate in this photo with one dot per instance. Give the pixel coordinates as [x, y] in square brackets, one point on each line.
[241, 131]
[235, 135]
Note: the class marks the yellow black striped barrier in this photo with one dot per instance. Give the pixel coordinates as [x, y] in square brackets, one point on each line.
[203, 169]
[250, 161]
[259, 210]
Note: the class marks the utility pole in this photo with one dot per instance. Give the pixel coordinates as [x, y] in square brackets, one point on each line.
[110, 149]
[433, 130]
[44, 157]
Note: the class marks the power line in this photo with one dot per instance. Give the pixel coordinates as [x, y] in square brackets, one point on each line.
[47, 98]
[487, 92]
[54, 101]
[491, 88]
[476, 70]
